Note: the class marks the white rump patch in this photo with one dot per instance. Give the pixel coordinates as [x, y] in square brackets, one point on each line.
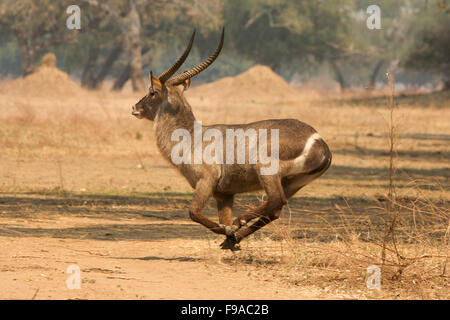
[299, 162]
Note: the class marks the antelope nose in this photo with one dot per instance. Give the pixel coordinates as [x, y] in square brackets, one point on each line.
[135, 112]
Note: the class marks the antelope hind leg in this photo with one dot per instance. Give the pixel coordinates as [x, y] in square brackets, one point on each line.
[267, 212]
[230, 243]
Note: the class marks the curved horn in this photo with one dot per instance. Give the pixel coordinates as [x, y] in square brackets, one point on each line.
[194, 71]
[169, 72]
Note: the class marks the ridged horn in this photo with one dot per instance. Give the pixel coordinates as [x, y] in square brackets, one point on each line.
[179, 79]
[169, 72]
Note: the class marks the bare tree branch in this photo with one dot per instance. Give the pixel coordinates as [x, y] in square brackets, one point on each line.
[105, 7]
[272, 22]
[253, 19]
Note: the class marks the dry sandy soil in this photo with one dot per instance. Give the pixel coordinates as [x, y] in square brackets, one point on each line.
[136, 256]
[81, 182]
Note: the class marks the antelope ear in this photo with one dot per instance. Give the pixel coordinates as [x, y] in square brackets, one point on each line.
[155, 83]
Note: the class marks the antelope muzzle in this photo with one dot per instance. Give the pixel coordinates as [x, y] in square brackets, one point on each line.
[137, 111]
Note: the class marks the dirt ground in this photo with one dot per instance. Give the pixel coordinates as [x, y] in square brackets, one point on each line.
[82, 183]
[134, 256]
[143, 247]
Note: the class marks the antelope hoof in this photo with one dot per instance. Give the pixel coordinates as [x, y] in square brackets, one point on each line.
[221, 229]
[230, 230]
[230, 243]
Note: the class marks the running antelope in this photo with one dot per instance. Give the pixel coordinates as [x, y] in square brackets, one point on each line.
[302, 155]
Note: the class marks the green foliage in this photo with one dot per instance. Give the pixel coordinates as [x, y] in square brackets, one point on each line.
[298, 39]
[431, 50]
[9, 59]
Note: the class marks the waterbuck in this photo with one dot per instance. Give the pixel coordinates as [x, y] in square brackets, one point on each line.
[300, 152]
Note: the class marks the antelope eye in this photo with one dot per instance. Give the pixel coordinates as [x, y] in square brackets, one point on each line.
[152, 94]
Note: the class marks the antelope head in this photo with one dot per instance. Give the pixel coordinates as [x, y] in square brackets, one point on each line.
[163, 86]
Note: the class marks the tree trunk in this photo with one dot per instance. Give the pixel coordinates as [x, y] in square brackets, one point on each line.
[125, 74]
[87, 78]
[122, 79]
[107, 65]
[339, 76]
[27, 54]
[28, 62]
[133, 45]
[373, 77]
[446, 81]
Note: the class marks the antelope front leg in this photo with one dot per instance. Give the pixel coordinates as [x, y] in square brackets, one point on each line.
[202, 193]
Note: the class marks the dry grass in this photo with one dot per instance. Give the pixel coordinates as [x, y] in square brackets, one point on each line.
[410, 245]
[88, 144]
[415, 268]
